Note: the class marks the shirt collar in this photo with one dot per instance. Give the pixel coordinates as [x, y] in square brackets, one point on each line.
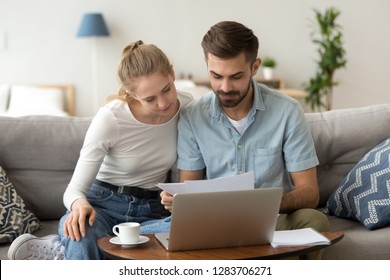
[258, 102]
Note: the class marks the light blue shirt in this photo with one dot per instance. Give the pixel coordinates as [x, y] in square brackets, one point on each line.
[276, 139]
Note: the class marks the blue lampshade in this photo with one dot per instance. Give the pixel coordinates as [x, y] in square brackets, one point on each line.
[93, 25]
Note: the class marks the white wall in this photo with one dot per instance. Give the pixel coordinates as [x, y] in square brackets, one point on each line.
[41, 46]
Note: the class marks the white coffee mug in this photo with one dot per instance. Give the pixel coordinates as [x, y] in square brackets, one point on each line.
[127, 232]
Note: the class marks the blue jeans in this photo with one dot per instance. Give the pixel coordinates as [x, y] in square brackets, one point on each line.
[112, 209]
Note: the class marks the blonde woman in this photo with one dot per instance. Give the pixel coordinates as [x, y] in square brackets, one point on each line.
[130, 146]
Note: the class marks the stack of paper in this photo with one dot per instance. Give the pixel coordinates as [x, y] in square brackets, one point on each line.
[298, 237]
[244, 181]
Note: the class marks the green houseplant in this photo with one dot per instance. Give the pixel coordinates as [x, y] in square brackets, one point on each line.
[268, 64]
[329, 40]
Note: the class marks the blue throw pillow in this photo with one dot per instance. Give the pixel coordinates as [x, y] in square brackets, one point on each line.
[364, 195]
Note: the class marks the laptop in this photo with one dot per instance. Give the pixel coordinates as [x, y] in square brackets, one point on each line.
[222, 219]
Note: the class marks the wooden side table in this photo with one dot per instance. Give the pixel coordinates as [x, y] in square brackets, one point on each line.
[153, 250]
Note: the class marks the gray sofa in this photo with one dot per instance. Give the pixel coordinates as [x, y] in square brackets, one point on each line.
[39, 154]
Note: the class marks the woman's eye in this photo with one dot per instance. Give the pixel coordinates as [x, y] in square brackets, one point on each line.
[165, 90]
[149, 100]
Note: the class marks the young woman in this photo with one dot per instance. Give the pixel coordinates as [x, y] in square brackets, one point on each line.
[130, 146]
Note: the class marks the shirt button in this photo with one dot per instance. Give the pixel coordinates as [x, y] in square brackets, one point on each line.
[239, 146]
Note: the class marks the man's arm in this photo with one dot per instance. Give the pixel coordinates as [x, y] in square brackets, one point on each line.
[185, 175]
[304, 195]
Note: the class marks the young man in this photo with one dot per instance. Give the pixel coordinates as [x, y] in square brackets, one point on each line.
[244, 126]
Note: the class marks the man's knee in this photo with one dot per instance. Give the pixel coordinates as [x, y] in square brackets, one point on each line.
[315, 219]
[304, 218]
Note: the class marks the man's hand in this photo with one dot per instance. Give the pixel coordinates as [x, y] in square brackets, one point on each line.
[74, 225]
[166, 200]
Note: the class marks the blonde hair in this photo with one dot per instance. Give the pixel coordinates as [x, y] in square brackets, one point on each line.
[139, 59]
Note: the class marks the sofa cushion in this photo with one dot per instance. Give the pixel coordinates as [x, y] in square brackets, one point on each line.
[342, 137]
[364, 194]
[358, 243]
[39, 154]
[15, 218]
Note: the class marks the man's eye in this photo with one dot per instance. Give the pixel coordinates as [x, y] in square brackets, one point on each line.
[237, 77]
[217, 77]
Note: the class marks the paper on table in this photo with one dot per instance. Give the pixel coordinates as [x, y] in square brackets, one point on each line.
[298, 237]
[244, 181]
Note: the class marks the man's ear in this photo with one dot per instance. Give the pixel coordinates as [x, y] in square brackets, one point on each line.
[256, 66]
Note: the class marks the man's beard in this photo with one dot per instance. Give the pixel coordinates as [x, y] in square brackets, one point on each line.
[231, 103]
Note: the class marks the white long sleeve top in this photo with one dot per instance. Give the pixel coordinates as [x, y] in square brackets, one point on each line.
[120, 150]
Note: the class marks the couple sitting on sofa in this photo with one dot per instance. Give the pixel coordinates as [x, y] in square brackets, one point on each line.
[132, 142]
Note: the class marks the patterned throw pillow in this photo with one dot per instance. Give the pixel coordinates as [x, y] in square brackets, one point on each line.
[15, 218]
[364, 195]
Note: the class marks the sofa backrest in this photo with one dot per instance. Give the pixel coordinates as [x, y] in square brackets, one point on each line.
[39, 154]
[342, 137]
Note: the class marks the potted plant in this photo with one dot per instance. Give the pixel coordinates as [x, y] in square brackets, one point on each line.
[268, 64]
[328, 37]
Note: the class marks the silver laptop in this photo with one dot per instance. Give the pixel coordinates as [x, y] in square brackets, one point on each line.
[222, 219]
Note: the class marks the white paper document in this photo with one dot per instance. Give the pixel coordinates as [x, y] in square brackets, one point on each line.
[244, 181]
[298, 237]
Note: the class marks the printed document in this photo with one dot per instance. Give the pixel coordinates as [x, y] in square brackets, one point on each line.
[244, 181]
[298, 237]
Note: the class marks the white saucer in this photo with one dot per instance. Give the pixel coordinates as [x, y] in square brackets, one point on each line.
[142, 239]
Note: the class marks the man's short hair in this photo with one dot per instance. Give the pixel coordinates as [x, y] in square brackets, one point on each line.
[227, 39]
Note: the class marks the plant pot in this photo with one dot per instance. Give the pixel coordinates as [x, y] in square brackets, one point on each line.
[268, 73]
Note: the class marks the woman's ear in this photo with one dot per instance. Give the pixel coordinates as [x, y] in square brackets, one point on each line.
[132, 95]
[173, 73]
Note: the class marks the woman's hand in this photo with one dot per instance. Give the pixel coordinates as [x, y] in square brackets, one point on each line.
[74, 225]
[166, 200]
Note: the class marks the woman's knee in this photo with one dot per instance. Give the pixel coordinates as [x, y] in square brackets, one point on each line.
[86, 247]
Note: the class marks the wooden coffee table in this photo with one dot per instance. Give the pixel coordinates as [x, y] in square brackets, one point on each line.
[153, 250]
